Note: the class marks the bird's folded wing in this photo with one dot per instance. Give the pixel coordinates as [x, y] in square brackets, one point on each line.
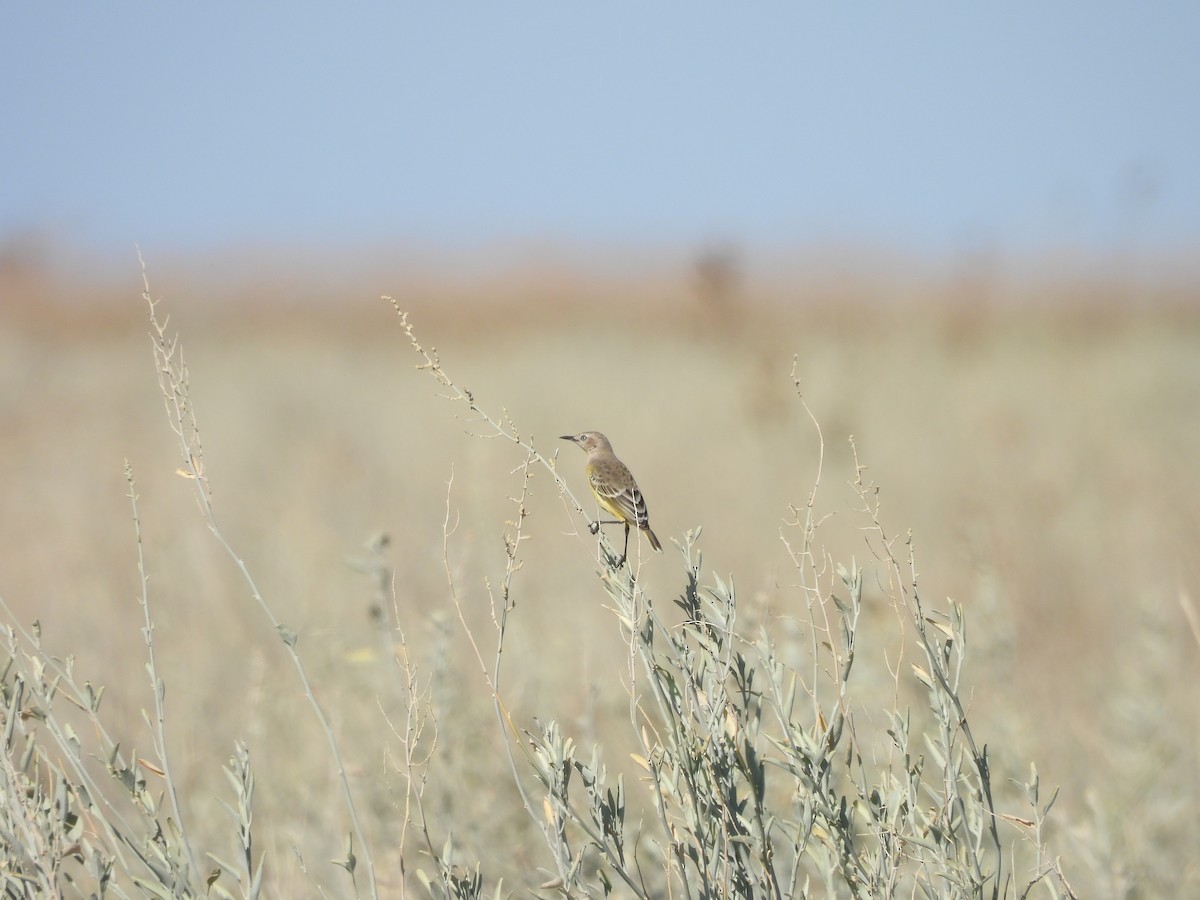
[625, 502]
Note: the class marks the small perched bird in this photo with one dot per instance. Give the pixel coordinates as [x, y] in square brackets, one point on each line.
[614, 487]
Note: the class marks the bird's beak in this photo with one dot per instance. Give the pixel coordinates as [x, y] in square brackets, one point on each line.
[567, 437]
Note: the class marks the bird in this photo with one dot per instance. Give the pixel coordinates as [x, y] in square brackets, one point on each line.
[614, 487]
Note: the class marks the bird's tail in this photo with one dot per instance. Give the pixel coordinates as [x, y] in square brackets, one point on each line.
[653, 540]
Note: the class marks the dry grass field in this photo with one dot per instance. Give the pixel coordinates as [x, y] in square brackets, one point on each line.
[1041, 447]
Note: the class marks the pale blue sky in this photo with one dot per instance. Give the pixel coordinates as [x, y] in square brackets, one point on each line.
[925, 127]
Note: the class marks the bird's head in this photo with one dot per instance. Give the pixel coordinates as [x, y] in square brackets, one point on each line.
[589, 441]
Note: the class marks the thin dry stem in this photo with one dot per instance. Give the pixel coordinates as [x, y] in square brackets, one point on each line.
[156, 684]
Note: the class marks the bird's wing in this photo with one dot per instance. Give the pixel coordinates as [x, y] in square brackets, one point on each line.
[626, 502]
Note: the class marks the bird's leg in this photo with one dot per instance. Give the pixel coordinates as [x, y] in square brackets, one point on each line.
[625, 552]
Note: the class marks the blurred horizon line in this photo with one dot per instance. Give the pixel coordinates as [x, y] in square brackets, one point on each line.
[43, 251]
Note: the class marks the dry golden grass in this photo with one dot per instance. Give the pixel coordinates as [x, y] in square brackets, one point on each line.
[1044, 459]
